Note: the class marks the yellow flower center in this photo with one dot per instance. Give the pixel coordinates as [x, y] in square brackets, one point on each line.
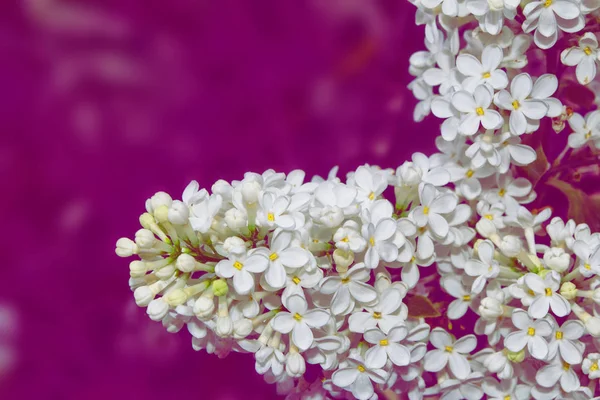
[588, 135]
[383, 342]
[530, 292]
[516, 105]
[594, 367]
[587, 266]
[587, 50]
[531, 331]
[466, 297]
[547, 3]
[507, 397]
[296, 280]
[486, 75]
[238, 265]
[425, 210]
[371, 196]
[489, 216]
[548, 291]
[377, 315]
[297, 317]
[271, 217]
[449, 349]
[345, 280]
[558, 335]
[372, 241]
[501, 192]
[566, 366]
[345, 240]
[361, 368]
[470, 173]
[273, 256]
[479, 111]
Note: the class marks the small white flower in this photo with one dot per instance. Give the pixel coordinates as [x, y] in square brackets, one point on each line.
[584, 130]
[483, 269]
[476, 110]
[299, 320]
[589, 258]
[530, 334]
[240, 267]
[509, 191]
[544, 87]
[446, 76]
[555, 372]
[387, 346]
[546, 297]
[468, 388]
[334, 203]
[505, 389]
[349, 287]
[282, 255]
[520, 106]
[590, 365]
[566, 342]
[457, 308]
[548, 16]
[585, 57]
[370, 184]
[491, 13]
[348, 238]
[483, 72]
[433, 206]
[450, 352]
[357, 377]
[384, 314]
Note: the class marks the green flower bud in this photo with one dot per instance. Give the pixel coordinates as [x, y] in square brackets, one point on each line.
[220, 287]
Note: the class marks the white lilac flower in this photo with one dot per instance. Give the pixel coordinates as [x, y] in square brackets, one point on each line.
[468, 388]
[469, 184]
[442, 107]
[457, 308]
[358, 376]
[387, 346]
[565, 342]
[590, 365]
[513, 152]
[505, 389]
[476, 110]
[379, 232]
[433, 207]
[530, 334]
[584, 56]
[516, 57]
[447, 351]
[544, 87]
[424, 93]
[370, 184]
[349, 287]
[449, 7]
[588, 257]
[334, 203]
[520, 106]
[509, 191]
[282, 211]
[430, 173]
[491, 14]
[299, 320]
[584, 130]
[483, 72]
[546, 297]
[348, 237]
[548, 17]
[282, 255]
[241, 266]
[483, 269]
[558, 372]
[446, 76]
[385, 314]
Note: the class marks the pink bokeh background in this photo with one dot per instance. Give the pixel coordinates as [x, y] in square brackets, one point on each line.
[106, 102]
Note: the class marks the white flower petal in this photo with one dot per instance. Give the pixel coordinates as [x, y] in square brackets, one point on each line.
[316, 318]
[459, 365]
[376, 357]
[283, 322]
[302, 336]
[345, 377]
[362, 292]
[435, 360]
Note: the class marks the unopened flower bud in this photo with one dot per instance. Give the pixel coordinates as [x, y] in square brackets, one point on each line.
[511, 246]
[516, 357]
[568, 290]
[143, 295]
[234, 244]
[593, 326]
[490, 308]
[596, 296]
[242, 328]
[137, 269]
[224, 326]
[295, 364]
[145, 239]
[186, 263]
[556, 259]
[382, 282]
[250, 191]
[162, 214]
[343, 259]
[220, 287]
[159, 199]
[126, 247]
[409, 174]
[147, 220]
[157, 309]
[236, 219]
[165, 272]
[205, 305]
[486, 228]
[179, 213]
[176, 297]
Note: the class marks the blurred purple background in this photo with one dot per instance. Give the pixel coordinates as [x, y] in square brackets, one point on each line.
[106, 102]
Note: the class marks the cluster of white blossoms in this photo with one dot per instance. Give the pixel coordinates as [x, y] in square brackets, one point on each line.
[322, 272]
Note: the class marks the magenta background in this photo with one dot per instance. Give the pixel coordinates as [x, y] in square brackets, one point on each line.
[106, 102]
